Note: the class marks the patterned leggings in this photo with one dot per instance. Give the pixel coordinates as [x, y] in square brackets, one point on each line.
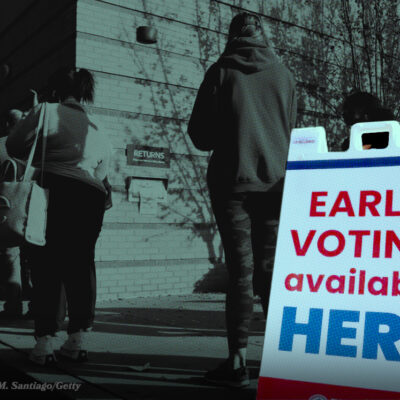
[248, 224]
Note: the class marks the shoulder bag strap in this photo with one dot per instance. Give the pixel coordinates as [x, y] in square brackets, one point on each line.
[37, 132]
[44, 141]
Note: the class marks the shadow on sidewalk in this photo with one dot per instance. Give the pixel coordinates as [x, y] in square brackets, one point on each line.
[169, 322]
[16, 384]
[134, 376]
[168, 371]
[21, 327]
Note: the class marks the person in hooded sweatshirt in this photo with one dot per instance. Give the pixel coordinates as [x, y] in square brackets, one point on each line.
[244, 111]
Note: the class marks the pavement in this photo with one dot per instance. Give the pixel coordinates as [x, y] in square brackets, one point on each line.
[142, 348]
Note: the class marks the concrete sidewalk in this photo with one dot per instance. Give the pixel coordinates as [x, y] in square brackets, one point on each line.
[143, 348]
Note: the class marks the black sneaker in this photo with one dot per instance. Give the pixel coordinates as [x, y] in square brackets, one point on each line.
[227, 376]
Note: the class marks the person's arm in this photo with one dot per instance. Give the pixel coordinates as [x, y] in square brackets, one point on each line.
[103, 168]
[21, 137]
[108, 204]
[102, 172]
[35, 100]
[202, 124]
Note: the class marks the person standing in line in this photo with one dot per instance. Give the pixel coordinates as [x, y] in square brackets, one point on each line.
[365, 107]
[76, 163]
[11, 266]
[10, 277]
[245, 109]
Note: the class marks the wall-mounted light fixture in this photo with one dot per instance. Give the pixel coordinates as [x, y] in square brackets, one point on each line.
[146, 34]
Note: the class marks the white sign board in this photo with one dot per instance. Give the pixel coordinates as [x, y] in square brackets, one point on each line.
[333, 325]
[149, 193]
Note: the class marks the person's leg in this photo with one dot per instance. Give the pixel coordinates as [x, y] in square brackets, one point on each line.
[46, 289]
[47, 262]
[46, 272]
[26, 282]
[80, 287]
[11, 280]
[235, 230]
[81, 298]
[25, 272]
[26, 261]
[78, 272]
[46, 286]
[62, 310]
[236, 237]
[264, 209]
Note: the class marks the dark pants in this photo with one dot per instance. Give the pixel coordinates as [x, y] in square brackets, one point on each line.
[248, 224]
[75, 217]
[10, 279]
[26, 280]
[25, 272]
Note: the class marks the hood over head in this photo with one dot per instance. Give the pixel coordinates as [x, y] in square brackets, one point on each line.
[248, 54]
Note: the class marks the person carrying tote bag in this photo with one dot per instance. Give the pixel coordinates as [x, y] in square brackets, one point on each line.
[77, 162]
[23, 202]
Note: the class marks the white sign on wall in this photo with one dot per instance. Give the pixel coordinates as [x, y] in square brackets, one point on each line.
[333, 325]
[148, 193]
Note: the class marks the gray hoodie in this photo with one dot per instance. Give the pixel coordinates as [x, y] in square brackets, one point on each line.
[244, 112]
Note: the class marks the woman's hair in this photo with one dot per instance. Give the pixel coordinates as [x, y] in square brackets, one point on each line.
[244, 24]
[71, 82]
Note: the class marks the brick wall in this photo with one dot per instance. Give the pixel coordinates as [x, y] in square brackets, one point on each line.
[144, 95]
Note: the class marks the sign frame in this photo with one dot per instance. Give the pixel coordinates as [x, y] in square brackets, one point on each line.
[315, 333]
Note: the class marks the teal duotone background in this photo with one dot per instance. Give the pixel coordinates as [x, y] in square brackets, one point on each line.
[145, 93]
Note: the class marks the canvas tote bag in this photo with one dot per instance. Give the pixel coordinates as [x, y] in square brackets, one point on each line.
[23, 203]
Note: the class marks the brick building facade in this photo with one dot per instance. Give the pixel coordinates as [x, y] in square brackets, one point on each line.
[144, 96]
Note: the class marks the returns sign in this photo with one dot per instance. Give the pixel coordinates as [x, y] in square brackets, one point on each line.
[148, 156]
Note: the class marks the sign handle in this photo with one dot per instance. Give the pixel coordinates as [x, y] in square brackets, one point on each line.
[358, 130]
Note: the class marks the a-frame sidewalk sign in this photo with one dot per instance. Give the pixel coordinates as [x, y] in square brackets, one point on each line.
[333, 324]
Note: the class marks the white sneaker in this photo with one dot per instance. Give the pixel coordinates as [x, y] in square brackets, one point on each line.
[75, 347]
[43, 352]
